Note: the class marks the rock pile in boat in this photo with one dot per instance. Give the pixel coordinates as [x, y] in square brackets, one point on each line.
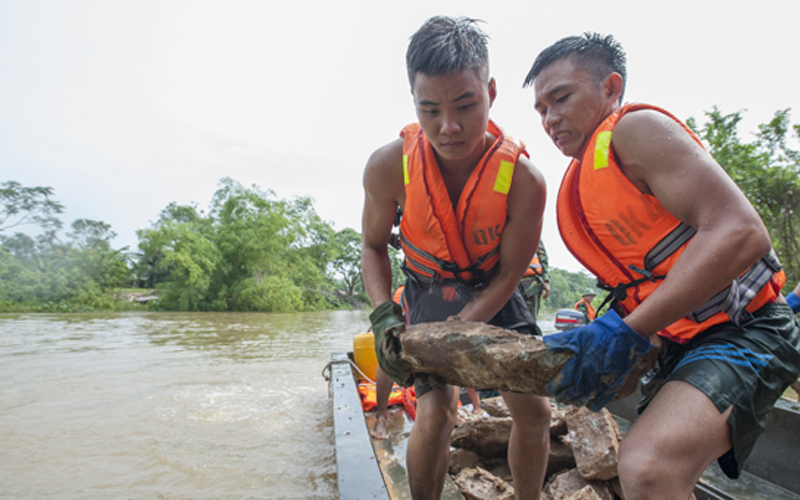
[582, 463]
[474, 354]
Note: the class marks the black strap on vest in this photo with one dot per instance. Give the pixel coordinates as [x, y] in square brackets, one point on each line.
[733, 300]
[479, 276]
[620, 292]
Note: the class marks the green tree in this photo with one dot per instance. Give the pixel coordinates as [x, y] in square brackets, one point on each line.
[93, 255]
[21, 205]
[566, 288]
[766, 169]
[148, 268]
[275, 253]
[185, 257]
[251, 253]
[347, 263]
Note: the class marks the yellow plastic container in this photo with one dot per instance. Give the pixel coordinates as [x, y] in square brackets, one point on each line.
[364, 355]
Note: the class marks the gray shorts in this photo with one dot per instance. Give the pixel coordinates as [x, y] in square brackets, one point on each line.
[746, 368]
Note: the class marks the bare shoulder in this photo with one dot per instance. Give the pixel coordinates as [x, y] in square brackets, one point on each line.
[384, 170]
[651, 145]
[387, 157]
[526, 173]
[528, 189]
[662, 159]
[649, 130]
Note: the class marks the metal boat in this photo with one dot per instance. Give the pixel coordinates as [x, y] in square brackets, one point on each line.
[367, 468]
[374, 469]
[567, 319]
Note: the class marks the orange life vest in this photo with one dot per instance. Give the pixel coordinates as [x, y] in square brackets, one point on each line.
[534, 268]
[462, 244]
[369, 397]
[410, 401]
[398, 294]
[590, 313]
[630, 242]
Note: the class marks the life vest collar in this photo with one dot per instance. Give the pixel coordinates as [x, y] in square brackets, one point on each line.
[461, 243]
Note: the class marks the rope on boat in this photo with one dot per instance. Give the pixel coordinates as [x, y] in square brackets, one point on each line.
[327, 367]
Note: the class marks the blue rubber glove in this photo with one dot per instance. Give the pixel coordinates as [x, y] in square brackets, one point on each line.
[794, 302]
[605, 351]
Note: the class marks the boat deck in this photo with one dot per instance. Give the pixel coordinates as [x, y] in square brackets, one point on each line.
[391, 454]
[369, 468]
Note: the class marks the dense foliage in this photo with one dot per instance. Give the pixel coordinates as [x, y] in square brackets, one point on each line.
[253, 252]
[566, 288]
[766, 169]
[48, 274]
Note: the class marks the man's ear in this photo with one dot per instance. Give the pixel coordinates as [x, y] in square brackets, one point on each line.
[613, 86]
[492, 91]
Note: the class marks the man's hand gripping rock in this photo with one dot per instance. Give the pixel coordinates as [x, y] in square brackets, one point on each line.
[387, 325]
[605, 351]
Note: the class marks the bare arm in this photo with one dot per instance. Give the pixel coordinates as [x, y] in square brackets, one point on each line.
[383, 193]
[518, 243]
[661, 159]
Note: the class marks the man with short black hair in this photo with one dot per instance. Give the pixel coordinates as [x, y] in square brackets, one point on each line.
[648, 211]
[472, 214]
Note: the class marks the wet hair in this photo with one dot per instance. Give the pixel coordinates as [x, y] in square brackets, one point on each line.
[445, 45]
[597, 54]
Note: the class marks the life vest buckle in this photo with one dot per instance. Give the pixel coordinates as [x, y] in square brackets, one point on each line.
[644, 272]
[450, 267]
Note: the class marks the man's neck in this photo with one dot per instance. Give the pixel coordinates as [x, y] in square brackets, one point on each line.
[456, 173]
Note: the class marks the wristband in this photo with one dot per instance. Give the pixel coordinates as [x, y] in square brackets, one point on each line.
[794, 302]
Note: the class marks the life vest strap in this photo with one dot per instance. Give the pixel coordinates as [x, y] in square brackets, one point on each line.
[620, 292]
[668, 246]
[735, 298]
[428, 280]
[480, 276]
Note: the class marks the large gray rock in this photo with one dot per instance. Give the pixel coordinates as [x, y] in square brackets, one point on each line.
[462, 458]
[561, 456]
[496, 407]
[564, 485]
[585, 493]
[488, 437]
[594, 438]
[473, 354]
[479, 484]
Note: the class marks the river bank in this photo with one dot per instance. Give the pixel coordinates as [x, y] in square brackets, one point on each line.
[125, 300]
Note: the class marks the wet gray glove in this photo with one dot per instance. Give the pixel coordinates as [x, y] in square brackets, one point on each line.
[387, 325]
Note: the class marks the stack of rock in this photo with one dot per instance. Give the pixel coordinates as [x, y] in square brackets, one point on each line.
[582, 463]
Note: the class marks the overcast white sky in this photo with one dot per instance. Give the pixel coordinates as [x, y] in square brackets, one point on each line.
[125, 106]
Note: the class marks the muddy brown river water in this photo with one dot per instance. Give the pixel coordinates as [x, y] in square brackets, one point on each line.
[169, 405]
